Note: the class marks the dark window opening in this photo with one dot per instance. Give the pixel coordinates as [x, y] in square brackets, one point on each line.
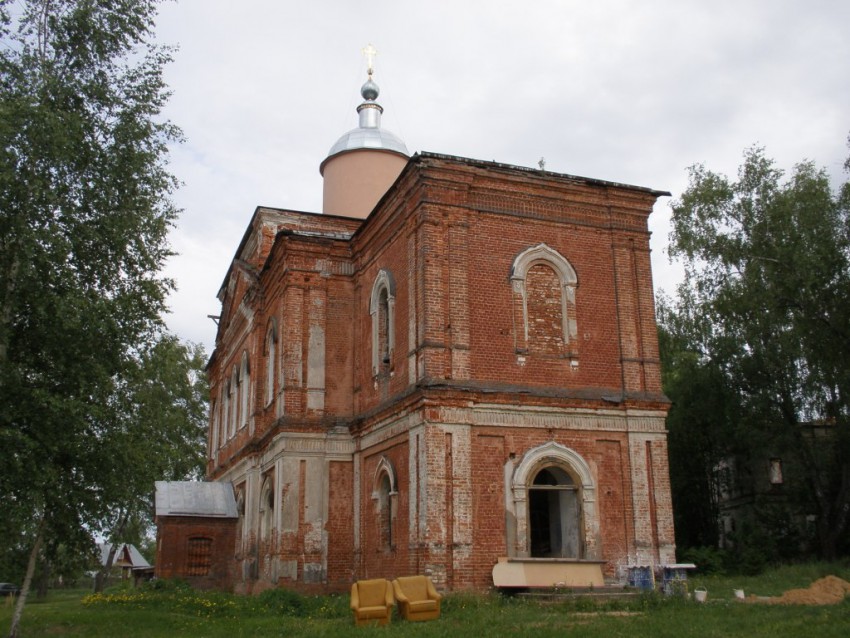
[554, 515]
[385, 512]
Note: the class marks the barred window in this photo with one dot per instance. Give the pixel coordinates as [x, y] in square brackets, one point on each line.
[200, 556]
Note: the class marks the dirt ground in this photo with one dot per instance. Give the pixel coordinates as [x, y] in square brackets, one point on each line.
[828, 590]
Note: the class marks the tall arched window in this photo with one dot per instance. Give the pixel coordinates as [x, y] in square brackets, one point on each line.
[544, 285]
[244, 392]
[382, 309]
[267, 510]
[271, 362]
[384, 495]
[233, 413]
[240, 512]
[385, 512]
[214, 435]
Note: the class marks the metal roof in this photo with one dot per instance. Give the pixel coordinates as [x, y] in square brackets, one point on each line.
[195, 498]
[136, 558]
[368, 135]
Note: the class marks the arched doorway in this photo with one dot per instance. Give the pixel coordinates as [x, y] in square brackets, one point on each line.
[554, 515]
[552, 511]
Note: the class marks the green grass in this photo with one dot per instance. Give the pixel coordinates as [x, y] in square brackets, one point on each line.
[178, 611]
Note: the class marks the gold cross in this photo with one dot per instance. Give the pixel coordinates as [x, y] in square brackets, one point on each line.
[370, 52]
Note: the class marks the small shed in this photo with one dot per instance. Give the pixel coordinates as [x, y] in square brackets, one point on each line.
[127, 558]
[196, 532]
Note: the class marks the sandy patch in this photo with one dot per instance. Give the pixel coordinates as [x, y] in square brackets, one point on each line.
[829, 590]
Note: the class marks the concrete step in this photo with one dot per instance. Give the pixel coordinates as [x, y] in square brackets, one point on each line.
[599, 594]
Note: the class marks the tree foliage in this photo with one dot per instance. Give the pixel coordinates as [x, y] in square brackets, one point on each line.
[702, 411]
[766, 306]
[84, 214]
[158, 435]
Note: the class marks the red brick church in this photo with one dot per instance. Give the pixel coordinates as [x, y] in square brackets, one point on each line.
[453, 371]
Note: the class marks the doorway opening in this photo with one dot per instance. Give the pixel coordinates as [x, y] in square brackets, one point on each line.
[554, 515]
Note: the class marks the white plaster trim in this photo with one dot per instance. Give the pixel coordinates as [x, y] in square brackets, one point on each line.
[555, 418]
[543, 254]
[385, 466]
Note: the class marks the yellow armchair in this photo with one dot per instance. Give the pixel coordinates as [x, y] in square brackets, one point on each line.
[372, 601]
[417, 598]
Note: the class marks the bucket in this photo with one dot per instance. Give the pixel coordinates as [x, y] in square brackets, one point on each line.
[739, 594]
[700, 594]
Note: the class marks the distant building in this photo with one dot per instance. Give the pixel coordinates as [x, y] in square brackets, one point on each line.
[767, 493]
[128, 560]
[452, 371]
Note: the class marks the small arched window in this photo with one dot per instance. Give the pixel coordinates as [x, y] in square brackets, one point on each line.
[214, 435]
[233, 413]
[244, 392]
[271, 362]
[225, 408]
[382, 309]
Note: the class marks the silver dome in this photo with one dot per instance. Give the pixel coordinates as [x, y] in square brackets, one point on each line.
[369, 135]
[368, 138]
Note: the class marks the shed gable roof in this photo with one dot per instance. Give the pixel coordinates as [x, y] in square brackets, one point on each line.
[195, 498]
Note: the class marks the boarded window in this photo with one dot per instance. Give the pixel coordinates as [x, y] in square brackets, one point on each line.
[545, 310]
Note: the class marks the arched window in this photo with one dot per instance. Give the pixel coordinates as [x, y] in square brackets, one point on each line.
[240, 521]
[225, 413]
[382, 309]
[271, 362]
[233, 413]
[224, 406]
[214, 436]
[267, 510]
[244, 392]
[385, 511]
[384, 495]
[544, 285]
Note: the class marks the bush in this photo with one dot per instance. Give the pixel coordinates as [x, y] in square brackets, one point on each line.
[709, 561]
[283, 601]
[165, 585]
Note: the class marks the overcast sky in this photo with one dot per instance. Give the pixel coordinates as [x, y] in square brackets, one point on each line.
[632, 92]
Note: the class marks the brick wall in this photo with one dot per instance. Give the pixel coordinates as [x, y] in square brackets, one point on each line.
[174, 535]
[567, 354]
